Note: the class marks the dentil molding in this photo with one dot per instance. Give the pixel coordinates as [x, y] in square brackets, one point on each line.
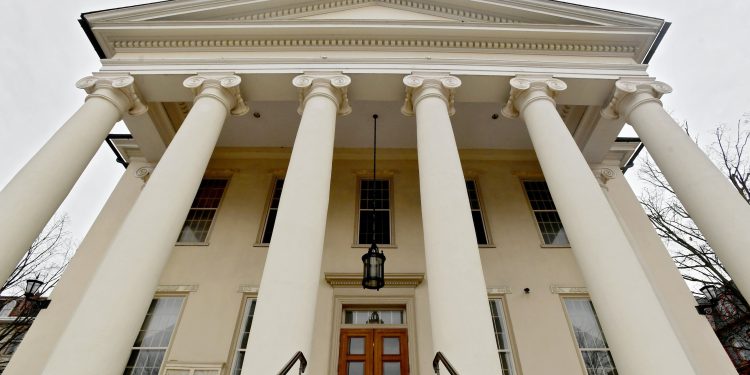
[416, 84]
[519, 86]
[392, 280]
[334, 83]
[123, 84]
[626, 87]
[229, 83]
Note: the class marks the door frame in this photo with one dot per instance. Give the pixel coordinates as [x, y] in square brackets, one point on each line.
[406, 302]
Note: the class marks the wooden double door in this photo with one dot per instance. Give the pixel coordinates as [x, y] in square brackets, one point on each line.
[383, 351]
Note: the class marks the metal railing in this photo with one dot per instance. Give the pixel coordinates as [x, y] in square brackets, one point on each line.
[439, 357]
[297, 357]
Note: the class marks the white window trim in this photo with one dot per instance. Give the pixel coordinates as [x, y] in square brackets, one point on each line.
[579, 350]
[482, 211]
[267, 210]
[533, 214]
[240, 327]
[168, 348]
[216, 212]
[357, 211]
[501, 293]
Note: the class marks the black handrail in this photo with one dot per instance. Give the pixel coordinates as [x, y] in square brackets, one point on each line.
[297, 357]
[439, 357]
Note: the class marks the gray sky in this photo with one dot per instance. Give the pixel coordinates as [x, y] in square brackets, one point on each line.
[705, 57]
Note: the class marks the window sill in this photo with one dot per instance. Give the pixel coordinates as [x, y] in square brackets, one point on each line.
[261, 244]
[191, 244]
[545, 246]
[381, 246]
[487, 246]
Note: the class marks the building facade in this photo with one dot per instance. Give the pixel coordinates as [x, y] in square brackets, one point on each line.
[514, 244]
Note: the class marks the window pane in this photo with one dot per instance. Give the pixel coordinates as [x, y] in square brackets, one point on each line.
[270, 222]
[201, 214]
[273, 206]
[479, 227]
[545, 213]
[382, 227]
[586, 327]
[599, 362]
[374, 194]
[391, 368]
[154, 336]
[501, 336]
[355, 368]
[391, 345]
[589, 337]
[356, 345]
[361, 317]
[244, 334]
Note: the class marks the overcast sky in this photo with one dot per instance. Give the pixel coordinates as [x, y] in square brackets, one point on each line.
[43, 52]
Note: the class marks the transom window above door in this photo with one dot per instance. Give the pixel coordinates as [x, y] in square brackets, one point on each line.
[384, 316]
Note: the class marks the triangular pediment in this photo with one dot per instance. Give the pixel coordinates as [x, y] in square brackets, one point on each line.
[490, 25]
[491, 11]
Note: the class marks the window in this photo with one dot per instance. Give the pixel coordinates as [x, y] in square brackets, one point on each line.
[476, 213]
[545, 212]
[7, 308]
[502, 337]
[202, 212]
[374, 194]
[273, 208]
[241, 347]
[152, 342]
[589, 337]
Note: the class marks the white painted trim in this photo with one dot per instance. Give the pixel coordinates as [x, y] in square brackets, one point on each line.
[176, 288]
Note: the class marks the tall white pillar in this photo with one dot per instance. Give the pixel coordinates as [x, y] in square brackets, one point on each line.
[99, 336]
[637, 329]
[35, 193]
[285, 314]
[459, 309]
[721, 214]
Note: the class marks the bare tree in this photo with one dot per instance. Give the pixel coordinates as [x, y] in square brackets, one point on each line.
[45, 261]
[694, 257]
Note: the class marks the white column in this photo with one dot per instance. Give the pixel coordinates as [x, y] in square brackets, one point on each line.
[459, 308]
[637, 329]
[718, 210]
[285, 314]
[99, 336]
[35, 193]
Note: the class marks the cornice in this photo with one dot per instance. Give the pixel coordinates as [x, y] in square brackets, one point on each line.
[242, 44]
[392, 280]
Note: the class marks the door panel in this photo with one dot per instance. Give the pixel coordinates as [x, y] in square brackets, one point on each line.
[355, 352]
[391, 352]
[373, 352]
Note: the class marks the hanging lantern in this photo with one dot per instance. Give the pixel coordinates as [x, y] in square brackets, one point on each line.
[373, 276]
[374, 272]
[32, 287]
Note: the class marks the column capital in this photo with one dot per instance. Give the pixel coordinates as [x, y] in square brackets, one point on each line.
[116, 89]
[424, 85]
[332, 85]
[630, 93]
[222, 87]
[604, 174]
[526, 89]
